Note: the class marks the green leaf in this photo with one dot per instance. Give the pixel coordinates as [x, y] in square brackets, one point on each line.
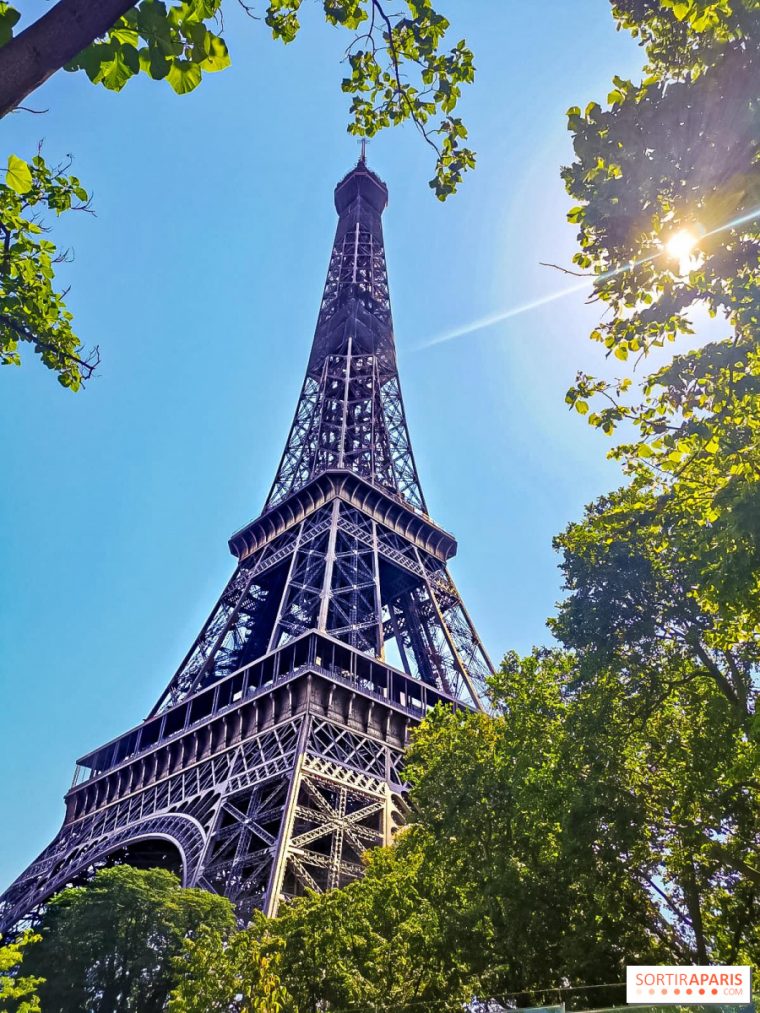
[18, 176]
[8, 18]
[184, 76]
[217, 55]
[89, 60]
[154, 63]
[126, 34]
[115, 73]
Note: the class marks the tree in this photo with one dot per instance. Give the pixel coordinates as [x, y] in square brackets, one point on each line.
[514, 827]
[31, 311]
[399, 71]
[238, 972]
[508, 879]
[108, 947]
[664, 576]
[606, 812]
[640, 776]
[18, 993]
[668, 184]
[679, 677]
[638, 601]
[374, 945]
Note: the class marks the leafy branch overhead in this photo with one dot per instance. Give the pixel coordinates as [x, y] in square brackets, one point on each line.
[32, 312]
[399, 70]
[399, 66]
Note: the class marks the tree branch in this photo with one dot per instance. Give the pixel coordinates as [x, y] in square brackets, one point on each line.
[718, 850]
[87, 366]
[31, 57]
[671, 939]
[566, 270]
[397, 73]
[694, 904]
[28, 109]
[739, 682]
[6, 248]
[673, 907]
[719, 678]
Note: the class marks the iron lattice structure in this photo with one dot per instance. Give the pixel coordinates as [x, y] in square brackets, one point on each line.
[273, 758]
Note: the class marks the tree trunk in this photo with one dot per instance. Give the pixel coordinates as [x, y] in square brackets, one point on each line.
[694, 905]
[29, 59]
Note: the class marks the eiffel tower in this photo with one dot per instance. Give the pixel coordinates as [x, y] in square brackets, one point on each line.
[274, 757]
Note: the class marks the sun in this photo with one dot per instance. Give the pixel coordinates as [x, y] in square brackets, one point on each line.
[680, 247]
[681, 244]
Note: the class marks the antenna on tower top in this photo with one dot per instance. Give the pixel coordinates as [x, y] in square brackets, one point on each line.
[363, 156]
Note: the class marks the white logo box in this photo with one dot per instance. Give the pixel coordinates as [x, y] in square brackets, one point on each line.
[670, 983]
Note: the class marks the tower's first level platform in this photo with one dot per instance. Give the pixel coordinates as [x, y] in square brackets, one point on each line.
[273, 781]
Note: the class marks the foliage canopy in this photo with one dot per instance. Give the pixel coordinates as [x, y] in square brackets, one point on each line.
[674, 160]
[108, 947]
[18, 991]
[234, 972]
[31, 310]
[400, 66]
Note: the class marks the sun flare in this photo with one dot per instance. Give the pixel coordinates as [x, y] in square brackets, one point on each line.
[680, 247]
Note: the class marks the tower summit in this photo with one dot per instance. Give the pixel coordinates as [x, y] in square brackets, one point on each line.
[273, 759]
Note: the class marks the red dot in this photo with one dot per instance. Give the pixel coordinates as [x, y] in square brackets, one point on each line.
[651, 991]
[701, 991]
[688, 991]
[664, 991]
[714, 991]
[677, 991]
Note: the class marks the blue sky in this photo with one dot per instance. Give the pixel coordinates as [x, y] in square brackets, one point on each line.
[200, 279]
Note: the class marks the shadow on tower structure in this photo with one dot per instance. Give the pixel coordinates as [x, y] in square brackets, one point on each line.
[273, 759]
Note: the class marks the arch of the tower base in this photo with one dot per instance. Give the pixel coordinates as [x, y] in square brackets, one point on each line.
[171, 842]
[168, 842]
[159, 852]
